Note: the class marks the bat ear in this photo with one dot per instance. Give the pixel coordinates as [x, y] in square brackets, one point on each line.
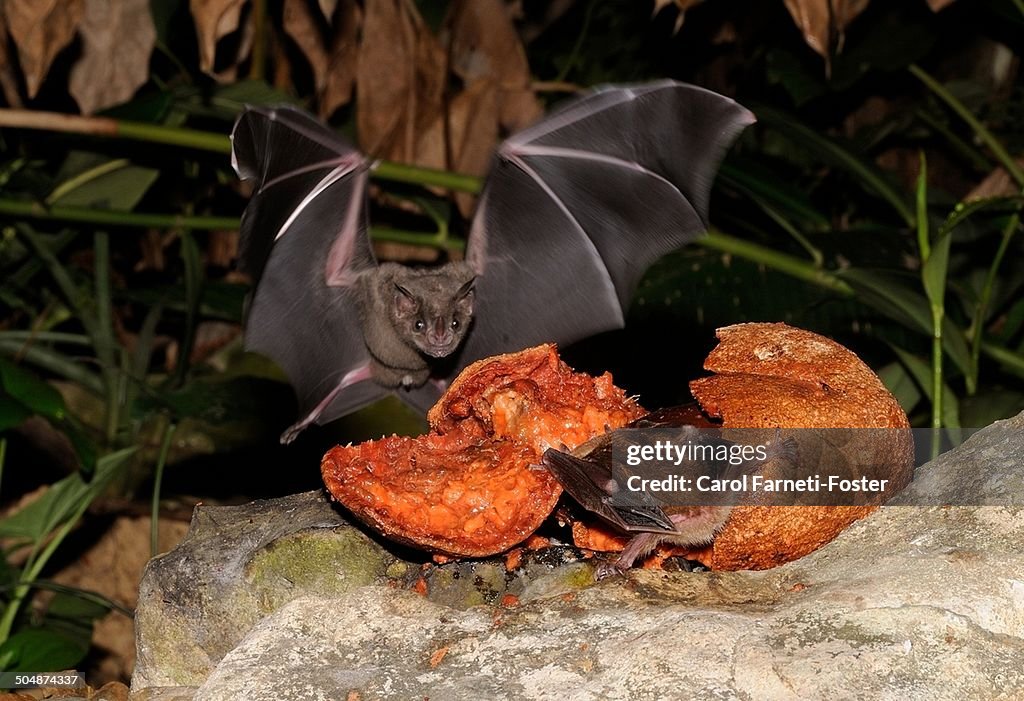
[405, 301]
[466, 291]
[464, 297]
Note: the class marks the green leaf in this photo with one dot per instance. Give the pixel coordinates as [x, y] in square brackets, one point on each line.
[107, 184]
[63, 499]
[41, 650]
[933, 274]
[991, 405]
[73, 616]
[785, 69]
[921, 372]
[12, 412]
[752, 178]
[889, 296]
[249, 92]
[898, 381]
[963, 210]
[830, 151]
[25, 387]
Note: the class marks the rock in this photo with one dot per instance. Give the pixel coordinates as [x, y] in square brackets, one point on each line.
[237, 564]
[909, 602]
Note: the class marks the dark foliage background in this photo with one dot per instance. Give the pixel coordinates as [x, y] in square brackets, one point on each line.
[876, 201]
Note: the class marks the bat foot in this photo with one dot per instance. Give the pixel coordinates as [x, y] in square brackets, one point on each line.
[607, 569]
[293, 431]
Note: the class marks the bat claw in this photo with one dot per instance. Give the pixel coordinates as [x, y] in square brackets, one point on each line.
[607, 569]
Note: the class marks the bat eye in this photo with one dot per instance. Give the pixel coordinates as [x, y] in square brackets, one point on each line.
[419, 325]
[455, 323]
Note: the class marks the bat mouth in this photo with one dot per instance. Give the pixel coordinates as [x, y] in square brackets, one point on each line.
[438, 351]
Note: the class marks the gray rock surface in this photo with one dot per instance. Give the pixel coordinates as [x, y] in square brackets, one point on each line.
[910, 603]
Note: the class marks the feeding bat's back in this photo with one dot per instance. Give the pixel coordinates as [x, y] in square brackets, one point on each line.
[573, 212]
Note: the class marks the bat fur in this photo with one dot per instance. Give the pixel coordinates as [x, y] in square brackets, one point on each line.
[573, 211]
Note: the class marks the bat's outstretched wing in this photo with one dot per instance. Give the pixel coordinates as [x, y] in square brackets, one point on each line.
[578, 206]
[304, 240]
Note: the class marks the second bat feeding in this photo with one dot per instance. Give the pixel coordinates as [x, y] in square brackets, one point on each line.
[573, 212]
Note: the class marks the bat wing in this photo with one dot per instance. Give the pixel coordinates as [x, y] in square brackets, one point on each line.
[590, 482]
[304, 240]
[578, 206]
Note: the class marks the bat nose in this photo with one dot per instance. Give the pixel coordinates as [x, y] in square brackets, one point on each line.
[440, 333]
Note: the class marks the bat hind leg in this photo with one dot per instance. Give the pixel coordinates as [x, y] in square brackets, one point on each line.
[352, 377]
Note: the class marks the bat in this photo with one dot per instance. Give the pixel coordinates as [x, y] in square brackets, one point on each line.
[594, 479]
[574, 210]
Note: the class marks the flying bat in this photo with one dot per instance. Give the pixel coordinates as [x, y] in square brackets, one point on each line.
[573, 212]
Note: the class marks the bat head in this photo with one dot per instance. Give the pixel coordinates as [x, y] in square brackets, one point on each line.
[433, 309]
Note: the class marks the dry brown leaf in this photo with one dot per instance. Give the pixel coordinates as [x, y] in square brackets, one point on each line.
[822, 20]
[214, 20]
[485, 45]
[812, 18]
[937, 5]
[117, 39]
[399, 80]
[344, 58]
[41, 29]
[328, 8]
[8, 81]
[998, 183]
[471, 136]
[519, 108]
[300, 24]
[683, 6]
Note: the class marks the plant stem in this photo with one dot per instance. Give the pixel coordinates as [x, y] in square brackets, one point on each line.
[782, 262]
[103, 340]
[429, 177]
[978, 324]
[937, 399]
[107, 126]
[109, 217]
[77, 339]
[982, 132]
[54, 362]
[158, 477]
[33, 566]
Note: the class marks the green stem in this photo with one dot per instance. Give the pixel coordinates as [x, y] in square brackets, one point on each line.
[33, 566]
[402, 173]
[782, 262]
[978, 323]
[61, 277]
[1011, 359]
[966, 151]
[439, 240]
[921, 200]
[109, 127]
[104, 338]
[982, 132]
[84, 594]
[45, 337]
[158, 477]
[3, 457]
[937, 399]
[108, 217]
[57, 363]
